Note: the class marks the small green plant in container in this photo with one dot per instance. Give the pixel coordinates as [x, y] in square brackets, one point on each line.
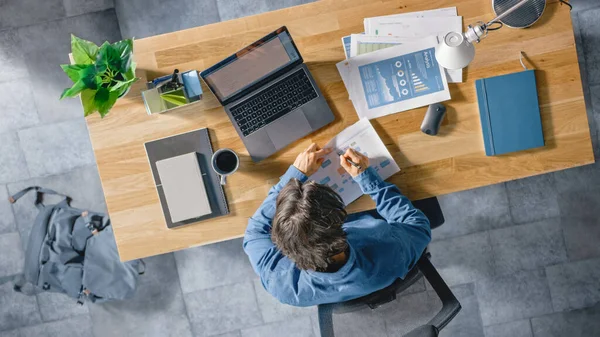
[100, 74]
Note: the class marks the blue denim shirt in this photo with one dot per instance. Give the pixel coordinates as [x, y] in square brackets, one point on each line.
[380, 250]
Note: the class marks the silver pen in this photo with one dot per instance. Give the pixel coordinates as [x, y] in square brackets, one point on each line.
[354, 164]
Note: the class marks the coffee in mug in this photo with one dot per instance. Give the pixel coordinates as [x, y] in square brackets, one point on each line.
[225, 162]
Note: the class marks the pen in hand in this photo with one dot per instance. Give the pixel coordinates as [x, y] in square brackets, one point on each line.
[354, 164]
[350, 161]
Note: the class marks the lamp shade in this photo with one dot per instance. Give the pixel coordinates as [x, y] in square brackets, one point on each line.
[454, 52]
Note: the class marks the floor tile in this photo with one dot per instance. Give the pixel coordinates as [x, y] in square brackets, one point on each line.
[463, 259]
[17, 109]
[82, 185]
[236, 333]
[17, 310]
[512, 297]
[409, 312]
[528, 246]
[223, 309]
[48, 45]
[57, 148]
[233, 9]
[78, 7]
[213, 265]
[361, 323]
[582, 236]
[532, 199]
[7, 219]
[295, 327]
[513, 329]
[488, 208]
[72, 327]
[581, 5]
[577, 323]
[11, 333]
[468, 321]
[13, 166]
[19, 13]
[580, 222]
[590, 26]
[157, 308]
[574, 285]
[593, 108]
[578, 178]
[274, 5]
[12, 66]
[12, 256]
[579, 203]
[55, 306]
[159, 16]
[273, 310]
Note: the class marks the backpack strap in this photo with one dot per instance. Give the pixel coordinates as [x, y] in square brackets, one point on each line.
[40, 191]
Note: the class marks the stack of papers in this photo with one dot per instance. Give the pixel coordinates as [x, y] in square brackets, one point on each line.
[363, 138]
[391, 67]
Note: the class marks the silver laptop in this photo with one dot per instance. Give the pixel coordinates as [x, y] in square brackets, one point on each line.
[269, 94]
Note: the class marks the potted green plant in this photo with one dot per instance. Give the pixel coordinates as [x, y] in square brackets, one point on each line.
[100, 74]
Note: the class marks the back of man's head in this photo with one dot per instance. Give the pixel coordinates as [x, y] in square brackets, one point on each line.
[307, 226]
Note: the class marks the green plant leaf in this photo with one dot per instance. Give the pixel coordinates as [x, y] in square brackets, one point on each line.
[178, 100]
[123, 84]
[87, 100]
[125, 50]
[72, 70]
[74, 90]
[130, 74]
[84, 52]
[89, 77]
[108, 57]
[104, 100]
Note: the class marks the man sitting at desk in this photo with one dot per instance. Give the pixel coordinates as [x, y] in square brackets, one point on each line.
[307, 250]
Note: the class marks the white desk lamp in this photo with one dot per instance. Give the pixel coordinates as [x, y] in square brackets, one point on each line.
[456, 50]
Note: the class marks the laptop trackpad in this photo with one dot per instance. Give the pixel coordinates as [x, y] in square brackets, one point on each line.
[288, 128]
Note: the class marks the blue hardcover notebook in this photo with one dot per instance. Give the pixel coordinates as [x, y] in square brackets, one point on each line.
[510, 113]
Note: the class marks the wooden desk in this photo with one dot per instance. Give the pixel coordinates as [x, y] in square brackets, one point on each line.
[431, 166]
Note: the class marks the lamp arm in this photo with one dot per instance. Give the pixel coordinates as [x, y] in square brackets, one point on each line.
[508, 11]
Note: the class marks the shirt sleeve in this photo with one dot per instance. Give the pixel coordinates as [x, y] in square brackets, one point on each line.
[257, 239]
[394, 207]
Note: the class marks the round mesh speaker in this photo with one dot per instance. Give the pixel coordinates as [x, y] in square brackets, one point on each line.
[524, 16]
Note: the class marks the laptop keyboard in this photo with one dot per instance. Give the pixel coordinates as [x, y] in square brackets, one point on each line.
[273, 102]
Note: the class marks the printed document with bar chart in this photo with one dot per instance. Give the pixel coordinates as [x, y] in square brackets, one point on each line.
[363, 138]
[396, 79]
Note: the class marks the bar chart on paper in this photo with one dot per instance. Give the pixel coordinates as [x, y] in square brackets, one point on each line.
[363, 138]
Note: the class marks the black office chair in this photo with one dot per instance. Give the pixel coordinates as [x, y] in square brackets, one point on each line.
[450, 305]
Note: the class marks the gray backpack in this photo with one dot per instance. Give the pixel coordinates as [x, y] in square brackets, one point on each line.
[73, 251]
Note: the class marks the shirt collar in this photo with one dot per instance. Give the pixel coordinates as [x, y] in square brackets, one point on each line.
[340, 273]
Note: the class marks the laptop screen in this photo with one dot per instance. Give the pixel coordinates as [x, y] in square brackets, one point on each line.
[251, 65]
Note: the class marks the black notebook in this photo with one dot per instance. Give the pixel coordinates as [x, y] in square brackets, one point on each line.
[194, 141]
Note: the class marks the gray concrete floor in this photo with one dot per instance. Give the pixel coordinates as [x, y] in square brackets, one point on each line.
[523, 257]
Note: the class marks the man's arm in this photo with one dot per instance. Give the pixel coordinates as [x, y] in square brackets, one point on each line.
[391, 204]
[257, 240]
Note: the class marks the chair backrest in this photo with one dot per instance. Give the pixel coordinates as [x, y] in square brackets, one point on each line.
[450, 305]
[380, 297]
